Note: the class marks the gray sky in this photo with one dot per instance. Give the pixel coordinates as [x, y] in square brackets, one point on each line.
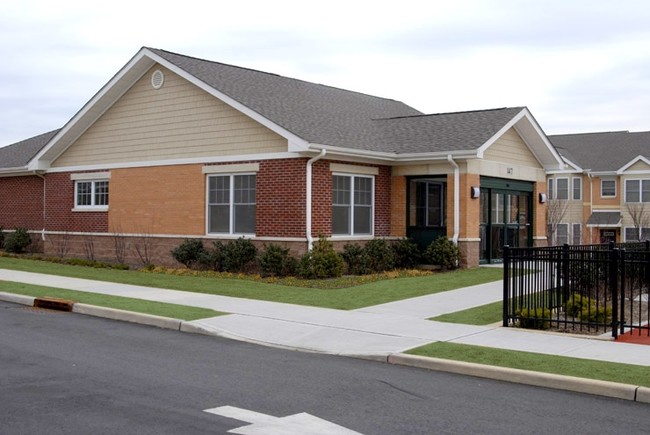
[579, 65]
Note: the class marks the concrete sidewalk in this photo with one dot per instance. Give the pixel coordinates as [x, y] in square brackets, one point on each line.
[379, 331]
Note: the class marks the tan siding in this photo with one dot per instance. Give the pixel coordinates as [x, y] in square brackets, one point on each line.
[510, 148]
[639, 166]
[176, 121]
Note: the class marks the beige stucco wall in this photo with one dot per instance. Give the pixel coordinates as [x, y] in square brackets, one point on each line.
[177, 121]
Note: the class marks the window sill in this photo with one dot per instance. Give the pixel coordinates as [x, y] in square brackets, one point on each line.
[87, 209]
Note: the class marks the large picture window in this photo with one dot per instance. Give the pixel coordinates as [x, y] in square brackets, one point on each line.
[637, 190]
[231, 204]
[91, 194]
[352, 205]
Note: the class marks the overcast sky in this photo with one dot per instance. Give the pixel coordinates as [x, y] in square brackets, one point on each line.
[579, 65]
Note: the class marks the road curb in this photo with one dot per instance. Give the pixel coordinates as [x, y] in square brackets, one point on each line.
[128, 316]
[17, 299]
[539, 379]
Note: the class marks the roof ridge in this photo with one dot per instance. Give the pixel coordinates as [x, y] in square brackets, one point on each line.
[450, 113]
[273, 74]
[593, 133]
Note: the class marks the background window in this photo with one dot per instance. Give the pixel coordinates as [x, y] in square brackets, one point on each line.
[352, 205]
[549, 193]
[562, 188]
[577, 188]
[231, 204]
[637, 191]
[607, 187]
[562, 234]
[577, 234]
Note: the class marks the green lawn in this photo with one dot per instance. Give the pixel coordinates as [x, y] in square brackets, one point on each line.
[137, 305]
[606, 371]
[482, 315]
[348, 298]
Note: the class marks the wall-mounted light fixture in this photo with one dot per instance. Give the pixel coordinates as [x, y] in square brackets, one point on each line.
[475, 192]
[542, 198]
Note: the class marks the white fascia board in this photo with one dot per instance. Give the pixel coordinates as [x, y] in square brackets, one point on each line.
[635, 160]
[176, 162]
[296, 142]
[15, 172]
[92, 110]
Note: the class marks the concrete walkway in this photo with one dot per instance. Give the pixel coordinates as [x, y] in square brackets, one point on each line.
[379, 331]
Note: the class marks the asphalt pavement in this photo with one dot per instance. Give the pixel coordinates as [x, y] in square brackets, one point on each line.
[376, 332]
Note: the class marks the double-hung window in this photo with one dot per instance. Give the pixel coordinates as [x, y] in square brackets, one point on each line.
[562, 234]
[637, 190]
[562, 188]
[352, 205]
[577, 188]
[231, 204]
[607, 188]
[90, 191]
[550, 189]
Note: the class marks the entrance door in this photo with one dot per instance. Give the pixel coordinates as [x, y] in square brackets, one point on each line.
[505, 220]
[426, 211]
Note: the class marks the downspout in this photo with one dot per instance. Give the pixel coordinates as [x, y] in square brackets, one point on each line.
[44, 185]
[310, 162]
[456, 199]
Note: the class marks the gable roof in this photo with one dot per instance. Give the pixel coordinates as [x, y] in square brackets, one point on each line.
[18, 155]
[603, 152]
[313, 116]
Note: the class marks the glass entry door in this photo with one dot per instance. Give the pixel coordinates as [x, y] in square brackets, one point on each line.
[505, 220]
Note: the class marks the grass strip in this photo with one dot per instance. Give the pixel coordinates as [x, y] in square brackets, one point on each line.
[481, 315]
[560, 365]
[347, 298]
[175, 311]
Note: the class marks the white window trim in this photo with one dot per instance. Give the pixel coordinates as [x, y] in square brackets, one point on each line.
[231, 204]
[640, 181]
[568, 188]
[573, 187]
[601, 188]
[372, 206]
[85, 178]
[568, 234]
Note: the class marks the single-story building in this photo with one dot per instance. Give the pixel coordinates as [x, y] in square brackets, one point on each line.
[175, 147]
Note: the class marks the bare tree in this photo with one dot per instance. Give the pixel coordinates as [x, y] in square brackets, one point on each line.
[62, 244]
[640, 215]
[144, 246]
[555, 212]
[120, 245]
[89, 247]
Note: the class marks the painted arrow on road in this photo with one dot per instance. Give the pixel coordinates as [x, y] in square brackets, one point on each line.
[302, 423]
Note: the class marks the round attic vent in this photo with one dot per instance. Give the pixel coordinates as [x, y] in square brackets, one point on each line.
[157, 79]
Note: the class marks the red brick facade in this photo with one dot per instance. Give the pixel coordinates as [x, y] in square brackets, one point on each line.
[59, 202]
[21, 202]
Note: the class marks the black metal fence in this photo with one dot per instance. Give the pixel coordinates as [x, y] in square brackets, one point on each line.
[578, 288]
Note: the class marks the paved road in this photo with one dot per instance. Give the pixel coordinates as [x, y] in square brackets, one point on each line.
[72, 374]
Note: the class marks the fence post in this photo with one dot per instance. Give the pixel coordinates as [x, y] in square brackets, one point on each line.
[621, 269]
[565, 273]
[613, 285]
[506, 284]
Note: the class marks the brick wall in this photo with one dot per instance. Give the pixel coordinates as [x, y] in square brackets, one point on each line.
[321, 200]
[59, 198]
[398, 206]
[383, 202]
[21, 202]
[281, 196]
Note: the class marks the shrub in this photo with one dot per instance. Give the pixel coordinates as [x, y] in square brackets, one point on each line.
[189, 252]
[237, 254]
[586, 310]
[322, 262]
[275, 260]
[212, 259]
[534, 318]
[443, 252]
[379, 255]
[17, 241]
[407, 254]
[353, 256]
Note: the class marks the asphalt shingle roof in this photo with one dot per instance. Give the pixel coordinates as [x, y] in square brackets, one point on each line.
[607, 151]
[19, 154]
[331, 116]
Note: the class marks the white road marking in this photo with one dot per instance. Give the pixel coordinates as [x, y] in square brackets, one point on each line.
[263, 424]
